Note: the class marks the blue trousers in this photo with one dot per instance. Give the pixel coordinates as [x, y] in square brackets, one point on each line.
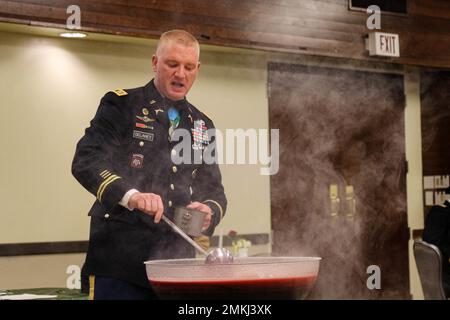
[103, 288]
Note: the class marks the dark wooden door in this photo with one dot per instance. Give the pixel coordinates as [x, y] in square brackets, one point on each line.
[435, 121]
[341, 137]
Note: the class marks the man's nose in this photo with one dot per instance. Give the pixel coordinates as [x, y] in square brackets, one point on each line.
[180, 72]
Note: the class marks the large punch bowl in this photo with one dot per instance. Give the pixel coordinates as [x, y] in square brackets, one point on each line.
[246, 278]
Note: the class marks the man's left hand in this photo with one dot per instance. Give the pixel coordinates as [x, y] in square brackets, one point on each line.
[204, 208]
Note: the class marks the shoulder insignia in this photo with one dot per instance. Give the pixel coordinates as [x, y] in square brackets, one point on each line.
[120, 92]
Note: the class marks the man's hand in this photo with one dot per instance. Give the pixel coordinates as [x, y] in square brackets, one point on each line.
[148, 203]
[204, 208]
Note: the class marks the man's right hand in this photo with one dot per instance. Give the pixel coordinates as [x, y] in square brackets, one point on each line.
[149, 203]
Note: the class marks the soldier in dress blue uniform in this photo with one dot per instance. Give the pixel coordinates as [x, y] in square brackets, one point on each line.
[125, 160]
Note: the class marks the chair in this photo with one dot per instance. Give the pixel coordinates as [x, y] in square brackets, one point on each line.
[429, 264]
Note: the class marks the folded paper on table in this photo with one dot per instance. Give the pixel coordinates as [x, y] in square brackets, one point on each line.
[27, 296]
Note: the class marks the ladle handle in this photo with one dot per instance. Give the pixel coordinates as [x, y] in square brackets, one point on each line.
[184, 235]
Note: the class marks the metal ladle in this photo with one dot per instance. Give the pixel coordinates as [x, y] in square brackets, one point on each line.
[216, 256]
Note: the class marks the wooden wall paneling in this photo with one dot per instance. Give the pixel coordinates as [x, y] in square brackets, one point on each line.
[321, 27]
[434, 8]
[242, 13]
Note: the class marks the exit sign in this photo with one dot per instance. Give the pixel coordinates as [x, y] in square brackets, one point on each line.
[383, 44]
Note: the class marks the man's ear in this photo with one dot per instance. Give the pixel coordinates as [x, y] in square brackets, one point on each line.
[198, 66]
[154, 62]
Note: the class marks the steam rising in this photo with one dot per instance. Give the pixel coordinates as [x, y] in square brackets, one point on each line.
[343, 128]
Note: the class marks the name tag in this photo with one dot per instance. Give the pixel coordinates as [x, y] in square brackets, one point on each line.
[143, 135]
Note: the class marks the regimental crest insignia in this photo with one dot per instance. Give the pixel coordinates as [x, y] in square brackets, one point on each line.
[137, 160]
[199, 135]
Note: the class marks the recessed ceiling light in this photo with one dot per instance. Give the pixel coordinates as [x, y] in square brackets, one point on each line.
[73, 35]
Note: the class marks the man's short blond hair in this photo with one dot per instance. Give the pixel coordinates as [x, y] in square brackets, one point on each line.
[178, 36]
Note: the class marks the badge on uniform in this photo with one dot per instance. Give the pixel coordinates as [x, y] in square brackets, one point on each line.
[137, 160]
[199, 135]
[145, 119]
[174, 117]
[120, 92]
[145, 111]
[143, 135]
[143, 126]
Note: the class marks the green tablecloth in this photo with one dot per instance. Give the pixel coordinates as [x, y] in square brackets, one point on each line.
[61, 293]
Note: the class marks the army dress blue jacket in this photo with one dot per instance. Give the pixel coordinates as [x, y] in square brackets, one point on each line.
[128, 146]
